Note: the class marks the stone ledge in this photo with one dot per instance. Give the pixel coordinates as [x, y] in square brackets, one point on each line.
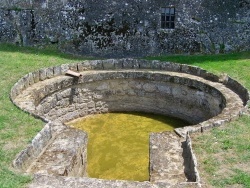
[48, 181]
[191, 162]
[57, 150]
[54, 90]
[166, 158]
[47, 73]
[65, 155]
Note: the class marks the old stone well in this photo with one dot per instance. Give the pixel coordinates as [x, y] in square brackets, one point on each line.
[57, 154]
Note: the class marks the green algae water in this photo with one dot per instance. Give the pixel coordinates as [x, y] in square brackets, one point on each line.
[118, 146]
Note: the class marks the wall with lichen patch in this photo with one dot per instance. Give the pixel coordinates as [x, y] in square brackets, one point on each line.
[128, 28]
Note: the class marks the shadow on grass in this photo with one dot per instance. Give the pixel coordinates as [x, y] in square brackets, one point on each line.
[194, 59]
[51, 50]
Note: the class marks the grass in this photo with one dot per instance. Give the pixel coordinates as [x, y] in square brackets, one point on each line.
[16, 127]
[236, 64]
[224, 161]
[223, 153]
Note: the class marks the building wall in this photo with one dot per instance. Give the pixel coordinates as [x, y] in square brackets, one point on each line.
[128, 28]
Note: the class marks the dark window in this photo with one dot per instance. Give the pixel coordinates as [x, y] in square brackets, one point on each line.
[167, 17]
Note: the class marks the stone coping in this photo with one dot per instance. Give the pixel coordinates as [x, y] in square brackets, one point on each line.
[114, 64]
[32, 96]
[234, 96]
[49, 181]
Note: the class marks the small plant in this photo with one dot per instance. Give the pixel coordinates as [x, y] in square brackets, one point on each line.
[196, 19]
[15, 8]
[238, 22]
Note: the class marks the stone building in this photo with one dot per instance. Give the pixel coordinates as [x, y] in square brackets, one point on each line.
[128, 28]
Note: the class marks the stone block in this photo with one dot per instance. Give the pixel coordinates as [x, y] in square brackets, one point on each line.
[91, 104]
[73, 67]
[190, 161]
[209, 76]
[96, 64]
[30, 78]
[70, 116]
[102, 87]
[81, 67]
[109, 64]
[42, 74]
[144, 64]
[49, 88]
[130, 64]
[57, 71]
[50, 72]
[156, 64]
[64, 156]
[67, 82]
[169, 66]
[20, 85]
[36, 76]
[149, 87]
[26, 81]
[14, 93]
[166, 161]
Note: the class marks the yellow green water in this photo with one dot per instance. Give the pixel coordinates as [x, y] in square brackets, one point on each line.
[118, 146]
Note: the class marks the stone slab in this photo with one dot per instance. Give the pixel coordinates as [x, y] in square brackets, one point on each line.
[166, 161]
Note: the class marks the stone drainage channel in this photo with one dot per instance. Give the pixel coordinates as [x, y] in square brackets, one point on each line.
[57, 154]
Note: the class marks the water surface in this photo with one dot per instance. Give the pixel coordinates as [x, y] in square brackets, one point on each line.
[118, 146]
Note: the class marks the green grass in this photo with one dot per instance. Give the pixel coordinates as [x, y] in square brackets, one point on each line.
[239, 178]
[236, 64]
[16, 127]
[223, 164]
[223, 153]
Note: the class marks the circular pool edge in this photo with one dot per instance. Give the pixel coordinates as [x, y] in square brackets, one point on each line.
[235, 104]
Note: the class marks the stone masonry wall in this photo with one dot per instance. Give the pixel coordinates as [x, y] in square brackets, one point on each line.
[56, 149]
[132, 92]
[192, 165]
[49, 96]
[127, 28]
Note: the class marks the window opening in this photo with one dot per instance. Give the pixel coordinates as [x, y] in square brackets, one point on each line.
[167, 17]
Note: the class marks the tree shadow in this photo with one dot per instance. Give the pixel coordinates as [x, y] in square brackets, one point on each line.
[51, 50]
[198, 59]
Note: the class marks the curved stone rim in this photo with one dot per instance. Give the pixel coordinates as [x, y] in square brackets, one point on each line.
[229, 112]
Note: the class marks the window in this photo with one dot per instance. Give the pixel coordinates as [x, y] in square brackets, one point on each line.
[167, 17]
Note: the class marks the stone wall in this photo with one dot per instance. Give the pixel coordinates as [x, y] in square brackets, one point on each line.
[128, 28]
[189, 93]
[131, 91]
[57, 150]
[191, 169]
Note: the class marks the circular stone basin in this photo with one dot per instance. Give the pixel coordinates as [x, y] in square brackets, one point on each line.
[194, 95]
[118, 146]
